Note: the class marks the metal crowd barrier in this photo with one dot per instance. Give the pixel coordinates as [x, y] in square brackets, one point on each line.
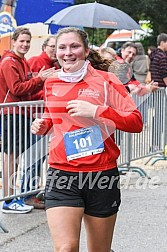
[152, 140]
[22, 173]
[132, 146]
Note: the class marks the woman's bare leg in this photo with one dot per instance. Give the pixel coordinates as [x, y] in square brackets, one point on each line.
[99, 232]
[65, 224]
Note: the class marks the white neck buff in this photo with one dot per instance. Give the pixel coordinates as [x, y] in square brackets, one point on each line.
[75, 76]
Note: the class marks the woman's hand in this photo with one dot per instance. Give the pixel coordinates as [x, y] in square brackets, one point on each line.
[81, 108]
[143, 89]
[44, 74]
[39, 126]
[152, 86]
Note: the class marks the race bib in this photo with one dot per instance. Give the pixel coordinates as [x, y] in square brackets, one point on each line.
[83, 142]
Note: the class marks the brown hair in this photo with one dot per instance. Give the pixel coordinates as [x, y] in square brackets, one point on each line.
[109, 50]
[97, 61]
[82, 34]
[20, 30]
[140, 48]
[129, 44]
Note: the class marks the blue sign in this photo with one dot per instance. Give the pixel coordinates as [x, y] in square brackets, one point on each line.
[83, 142]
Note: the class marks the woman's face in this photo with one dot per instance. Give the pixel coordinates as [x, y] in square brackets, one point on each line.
[71, 52]
[128, 54]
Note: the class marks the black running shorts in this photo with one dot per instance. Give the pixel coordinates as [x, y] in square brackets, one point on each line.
[97, 192]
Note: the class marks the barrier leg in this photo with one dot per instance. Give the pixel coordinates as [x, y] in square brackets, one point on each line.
[139, 170]
[159, 158]
[3, 228]
[154, 156]
[149, 160]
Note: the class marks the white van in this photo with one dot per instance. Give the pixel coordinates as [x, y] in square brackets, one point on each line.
[118, 37]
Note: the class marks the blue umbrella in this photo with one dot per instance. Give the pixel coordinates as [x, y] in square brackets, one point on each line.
[94, 15]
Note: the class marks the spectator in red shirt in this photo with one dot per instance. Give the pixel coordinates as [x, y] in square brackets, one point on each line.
[126, 56]
[48, 60]
[17, 85]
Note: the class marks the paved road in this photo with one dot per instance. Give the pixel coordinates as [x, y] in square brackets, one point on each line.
[141, 225]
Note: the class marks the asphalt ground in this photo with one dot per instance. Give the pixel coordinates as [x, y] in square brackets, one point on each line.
[141, 224]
